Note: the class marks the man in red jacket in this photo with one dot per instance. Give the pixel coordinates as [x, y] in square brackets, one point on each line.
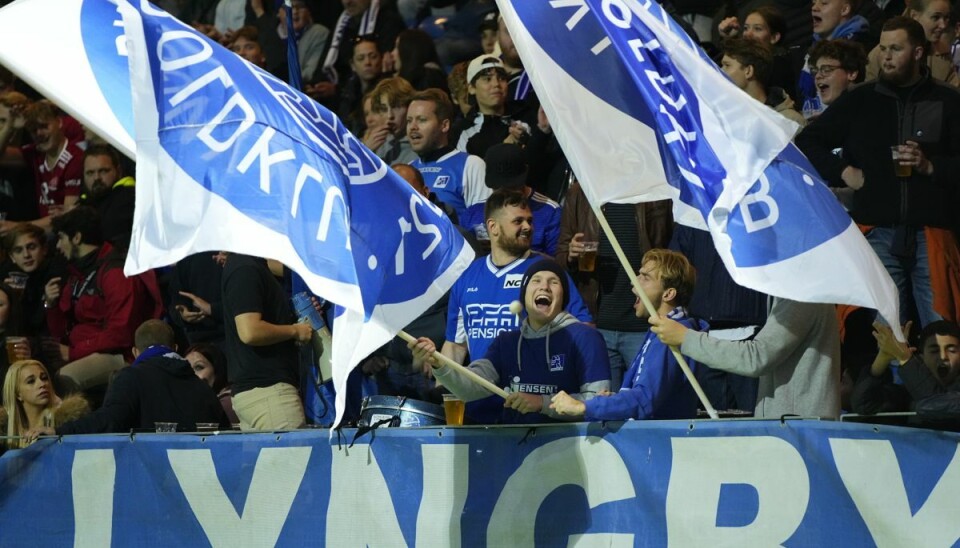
[97, 308]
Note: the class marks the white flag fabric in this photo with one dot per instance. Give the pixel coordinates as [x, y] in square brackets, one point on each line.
[643, 114]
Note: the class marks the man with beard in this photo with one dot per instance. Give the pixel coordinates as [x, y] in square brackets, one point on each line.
[457, 178]
[905, 204]
[110, 193]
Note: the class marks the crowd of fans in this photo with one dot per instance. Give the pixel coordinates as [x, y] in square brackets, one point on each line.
[437, 89]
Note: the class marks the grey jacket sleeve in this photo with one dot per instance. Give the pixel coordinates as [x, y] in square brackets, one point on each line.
[787, 326]
[461, 385]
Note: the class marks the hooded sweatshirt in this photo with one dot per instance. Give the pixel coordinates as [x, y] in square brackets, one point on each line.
[563, 355]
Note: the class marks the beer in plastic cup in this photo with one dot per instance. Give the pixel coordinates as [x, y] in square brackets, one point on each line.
[898, 169]
[587, 261]
[453, 408]
[12, 343]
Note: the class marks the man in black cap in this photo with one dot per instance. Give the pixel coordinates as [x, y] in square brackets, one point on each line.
[507, 168]
[551, 352]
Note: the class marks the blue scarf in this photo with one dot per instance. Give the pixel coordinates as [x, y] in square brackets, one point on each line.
[155, 351]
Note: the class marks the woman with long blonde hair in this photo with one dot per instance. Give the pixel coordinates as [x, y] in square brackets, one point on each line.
[30, 401]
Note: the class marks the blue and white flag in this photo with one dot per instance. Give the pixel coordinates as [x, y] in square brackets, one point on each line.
[230, 158]
[643, 114]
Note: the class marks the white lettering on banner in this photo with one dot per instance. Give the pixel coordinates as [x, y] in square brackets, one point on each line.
[93, 477]
[169, 65]
[206, 132]
[261, 151]
[762, 195]
[218, 74]
[562, 462]
[446, 476]
[121, 40]
[871, 473]
[693, 495]
[357, 488]
[275, 482]
[621, 19]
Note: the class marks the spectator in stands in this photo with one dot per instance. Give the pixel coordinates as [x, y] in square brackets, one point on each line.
[832, 19]
[311, 37]
[17, 195]
[210, 365]
[160, 387]
[607, 287]
[108, 190]
[910, 214]
[359, 18]
[748, 64]
[11, 321]
[57, 163]
[246, 44]
[506, 168]
[933, 16]
[734, 312]
[392, 95]
[836, 65]
[261, 346]
[795, 356]
[768, 26]
[97, 307]
[26, 244]
[376, 129]
[194, 291]
[366, 71]
[30, 401]
[415, 60]
[480, 300]
[456, 177]
[552, 352]
[519, 87]
[274, 49]
[933, 371]
[654, 387]
[489, 29]
[488, 122]
[459, 94]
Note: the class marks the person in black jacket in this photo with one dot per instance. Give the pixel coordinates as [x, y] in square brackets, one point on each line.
[160, 386]
[909, 206]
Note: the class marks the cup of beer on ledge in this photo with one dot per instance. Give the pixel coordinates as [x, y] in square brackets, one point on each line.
[453, 408]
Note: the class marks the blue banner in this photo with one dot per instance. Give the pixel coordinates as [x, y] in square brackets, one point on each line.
[742, 483]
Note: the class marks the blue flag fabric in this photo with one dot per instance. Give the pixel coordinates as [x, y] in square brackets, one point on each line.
[643, 114]
[230, 158]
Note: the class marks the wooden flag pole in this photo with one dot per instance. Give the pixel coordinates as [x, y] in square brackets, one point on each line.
[492, 388]
[653, 313]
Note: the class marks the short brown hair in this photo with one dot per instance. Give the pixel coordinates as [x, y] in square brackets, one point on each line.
[675, 272]
[248, 32]
[13, 98]
[395, 91]
[442, 105]
[154, 332]
[751, 53]
[915, 33]
[457, 80]
[23, 229]
[38, 112]
[502, 198]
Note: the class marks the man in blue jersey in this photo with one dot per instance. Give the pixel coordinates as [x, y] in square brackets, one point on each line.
[479, 308]
[457, 178]
[654, 386]
[551, 352]
[507, 168]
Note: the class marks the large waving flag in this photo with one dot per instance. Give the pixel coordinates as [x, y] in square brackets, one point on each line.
[643, 114]
[229, 157]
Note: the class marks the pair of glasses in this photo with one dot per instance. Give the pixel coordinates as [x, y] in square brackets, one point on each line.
[366, 38]
[825, 70]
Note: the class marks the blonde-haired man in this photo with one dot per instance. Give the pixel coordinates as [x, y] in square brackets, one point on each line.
[654, 387]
